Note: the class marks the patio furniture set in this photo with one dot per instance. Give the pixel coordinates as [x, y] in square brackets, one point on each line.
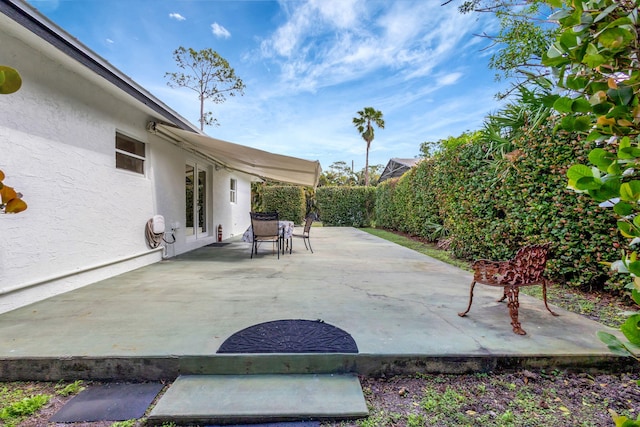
[268, 227]
[526, 268]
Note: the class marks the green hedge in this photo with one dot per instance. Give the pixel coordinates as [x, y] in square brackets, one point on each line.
[488, 208]
[346, 206]
[289, 201]
[407, 203]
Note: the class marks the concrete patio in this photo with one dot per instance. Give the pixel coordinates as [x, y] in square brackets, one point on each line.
[400, 307]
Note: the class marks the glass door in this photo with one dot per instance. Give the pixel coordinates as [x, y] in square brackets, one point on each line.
[195, 200]
[201, 205]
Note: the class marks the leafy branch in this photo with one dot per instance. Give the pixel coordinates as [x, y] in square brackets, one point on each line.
[595, 58]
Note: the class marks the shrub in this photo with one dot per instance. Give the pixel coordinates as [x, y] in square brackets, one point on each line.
[346, 206]
[288, 200]
[489, 207]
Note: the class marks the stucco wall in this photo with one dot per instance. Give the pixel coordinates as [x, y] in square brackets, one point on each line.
[57, 138]
[234, 217]
[86, 219]
[167, 165]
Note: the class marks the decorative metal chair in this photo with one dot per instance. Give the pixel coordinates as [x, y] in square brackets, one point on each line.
[305, 233]
[525, 269]
[264, 226]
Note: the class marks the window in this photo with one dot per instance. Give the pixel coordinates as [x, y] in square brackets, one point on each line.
[129, 154]
[233, 191]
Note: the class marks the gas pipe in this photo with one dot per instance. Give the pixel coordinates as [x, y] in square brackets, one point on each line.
[220, 233]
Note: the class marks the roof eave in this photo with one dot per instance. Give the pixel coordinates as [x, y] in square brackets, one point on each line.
[29, 18]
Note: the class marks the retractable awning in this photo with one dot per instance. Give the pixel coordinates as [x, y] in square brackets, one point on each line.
[245, 159]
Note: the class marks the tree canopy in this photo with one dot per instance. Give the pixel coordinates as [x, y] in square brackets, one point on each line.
[341, 174]
[209, 75]
[524, 33]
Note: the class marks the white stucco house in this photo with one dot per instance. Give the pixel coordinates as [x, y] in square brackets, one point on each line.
[96, 156]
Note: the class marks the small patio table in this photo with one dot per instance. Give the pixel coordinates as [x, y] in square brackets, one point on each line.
[286, 231]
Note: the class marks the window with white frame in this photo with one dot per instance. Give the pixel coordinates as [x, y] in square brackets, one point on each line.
[130, 154]
[233, 193]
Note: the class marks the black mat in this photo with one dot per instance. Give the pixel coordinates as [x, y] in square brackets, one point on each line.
[286, 424]
[110, 402]
[218, 244]
[290, 336]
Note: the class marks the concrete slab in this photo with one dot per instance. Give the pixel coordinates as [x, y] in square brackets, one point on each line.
[400, 307]
[234, 399]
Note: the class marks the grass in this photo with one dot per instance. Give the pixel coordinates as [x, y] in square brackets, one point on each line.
[20, 400]
[438, 404]
[69, 389]
[423, 248]
[17, 411]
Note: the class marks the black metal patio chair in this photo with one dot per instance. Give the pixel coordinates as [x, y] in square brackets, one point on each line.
[305, 233]
[264, 226]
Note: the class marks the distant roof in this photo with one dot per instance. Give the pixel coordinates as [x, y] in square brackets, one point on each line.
[397, 167]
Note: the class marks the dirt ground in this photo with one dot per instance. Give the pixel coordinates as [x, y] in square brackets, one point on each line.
[523, 398]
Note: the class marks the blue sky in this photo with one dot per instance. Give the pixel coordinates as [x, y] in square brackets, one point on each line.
[309, 66]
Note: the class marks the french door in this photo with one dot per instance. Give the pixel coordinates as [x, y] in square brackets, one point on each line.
[196, 201]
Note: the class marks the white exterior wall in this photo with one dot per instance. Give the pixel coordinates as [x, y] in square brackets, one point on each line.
[234, 217]
[167, 165]
[85, 219]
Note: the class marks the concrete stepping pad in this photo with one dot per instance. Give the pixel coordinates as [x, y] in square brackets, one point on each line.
[229, 399]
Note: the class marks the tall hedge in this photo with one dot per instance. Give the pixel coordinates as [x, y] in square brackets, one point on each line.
[489, 206]
[346, 206]
[289, 201]
[406, 203]
[537, 206]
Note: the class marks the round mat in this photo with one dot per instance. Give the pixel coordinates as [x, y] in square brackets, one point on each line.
[290, 336]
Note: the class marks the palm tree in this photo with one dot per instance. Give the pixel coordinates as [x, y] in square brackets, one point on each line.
[363, 123]
[528, 110]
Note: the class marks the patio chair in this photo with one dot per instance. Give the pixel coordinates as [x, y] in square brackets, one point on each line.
[264, 226]
[525, 269]
[305, 233]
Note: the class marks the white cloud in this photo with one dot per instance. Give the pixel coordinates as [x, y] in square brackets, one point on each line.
[220, 31]
[313, 65]
[177, 16]
[287, 37]
[449, 79]
[307, 20]
[326, 59]
[339, 13]
[324, 43]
